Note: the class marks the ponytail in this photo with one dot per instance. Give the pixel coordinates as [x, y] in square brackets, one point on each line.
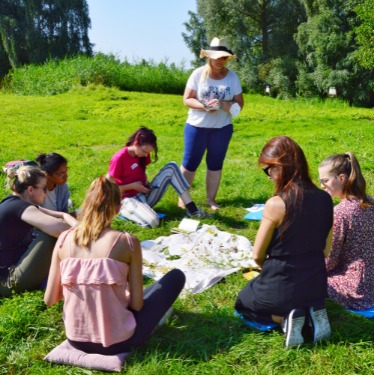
[355, 186]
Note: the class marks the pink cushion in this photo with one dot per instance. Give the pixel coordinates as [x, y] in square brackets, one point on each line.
[65, 354]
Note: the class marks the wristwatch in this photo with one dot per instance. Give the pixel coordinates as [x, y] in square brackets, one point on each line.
[235, 109]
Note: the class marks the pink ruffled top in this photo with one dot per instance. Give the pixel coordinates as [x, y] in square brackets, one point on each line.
[96, 300]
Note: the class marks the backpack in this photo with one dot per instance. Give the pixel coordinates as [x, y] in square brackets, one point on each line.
[18, 163]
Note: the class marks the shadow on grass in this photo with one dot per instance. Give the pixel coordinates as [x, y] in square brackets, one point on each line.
[238, 202]
[199, 339]
[203, 336]
[348, 327]
[243, 202]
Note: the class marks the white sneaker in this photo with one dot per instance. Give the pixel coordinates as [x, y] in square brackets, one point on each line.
[292, 327]
[320, 324]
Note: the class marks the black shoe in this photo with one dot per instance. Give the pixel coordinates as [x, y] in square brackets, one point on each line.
[199, 214]
[292, 327]
[320, 324]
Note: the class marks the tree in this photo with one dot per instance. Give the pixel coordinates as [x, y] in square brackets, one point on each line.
[31, 31]
[260, 32]
[365, 35]
[197, 37]
[328, 46]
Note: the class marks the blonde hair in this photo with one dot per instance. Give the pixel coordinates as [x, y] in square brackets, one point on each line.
[19, 179]
[347, 164]
[206, 72]
[99, 207]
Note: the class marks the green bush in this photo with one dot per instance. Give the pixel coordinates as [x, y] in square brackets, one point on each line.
[59, 76]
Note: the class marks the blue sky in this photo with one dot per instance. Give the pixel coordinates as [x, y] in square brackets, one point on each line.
[136, 29]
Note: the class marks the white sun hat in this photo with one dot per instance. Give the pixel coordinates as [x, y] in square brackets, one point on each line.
[218, 48]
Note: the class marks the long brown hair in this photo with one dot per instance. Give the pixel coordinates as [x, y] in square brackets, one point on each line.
[144, 136]
[99, 207]
[294, 177]
[347, 164]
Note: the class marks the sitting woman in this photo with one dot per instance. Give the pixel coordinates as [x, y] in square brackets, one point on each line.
[98, 272]
[128, 170]
[350, 264]
[24, 259]
[56, 168]
[290, 245]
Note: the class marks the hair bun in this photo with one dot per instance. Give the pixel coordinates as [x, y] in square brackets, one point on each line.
[40, 158]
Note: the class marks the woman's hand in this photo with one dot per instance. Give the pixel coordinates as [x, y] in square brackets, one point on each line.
[71, 220]
[138, 186]
[214, 103]
[226, 105]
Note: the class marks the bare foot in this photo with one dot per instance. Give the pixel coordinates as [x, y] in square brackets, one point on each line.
[213, 205]
[181, 204]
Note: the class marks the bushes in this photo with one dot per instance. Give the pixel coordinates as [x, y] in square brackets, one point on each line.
[59, 76]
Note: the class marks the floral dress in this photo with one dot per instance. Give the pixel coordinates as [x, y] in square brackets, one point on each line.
[350, 264]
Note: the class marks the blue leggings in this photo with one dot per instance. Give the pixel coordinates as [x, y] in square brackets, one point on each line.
[214, 141]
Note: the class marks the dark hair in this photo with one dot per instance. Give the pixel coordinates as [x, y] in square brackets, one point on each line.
[347, 164]
[294, 177]
[144, 136]
[18, 180]
[50, 162]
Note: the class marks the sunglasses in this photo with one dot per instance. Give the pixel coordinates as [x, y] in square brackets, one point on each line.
[266, 170]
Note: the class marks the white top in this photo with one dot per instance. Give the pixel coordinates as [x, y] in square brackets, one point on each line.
[223, 89]
[50, 202]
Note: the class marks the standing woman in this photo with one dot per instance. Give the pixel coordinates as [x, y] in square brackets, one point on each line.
[214, 95]
[24, 258]
[98, 272]
[293, 238]
[350, 264]
[56, 168]
[128, 170]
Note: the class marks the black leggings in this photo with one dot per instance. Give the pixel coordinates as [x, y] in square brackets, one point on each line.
[158, 298]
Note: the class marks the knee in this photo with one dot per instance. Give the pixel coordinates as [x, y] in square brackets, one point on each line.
[173, 164]
[172, 168]
[178, 277]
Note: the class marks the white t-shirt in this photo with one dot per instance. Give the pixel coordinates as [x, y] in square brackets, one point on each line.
[50, 202]
[222, 89]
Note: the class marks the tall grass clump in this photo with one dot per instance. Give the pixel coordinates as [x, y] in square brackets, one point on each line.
[60, 76]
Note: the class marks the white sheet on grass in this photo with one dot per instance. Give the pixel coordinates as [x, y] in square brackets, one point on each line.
[205, 256]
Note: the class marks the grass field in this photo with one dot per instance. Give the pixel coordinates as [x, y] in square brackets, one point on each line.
[87, 126]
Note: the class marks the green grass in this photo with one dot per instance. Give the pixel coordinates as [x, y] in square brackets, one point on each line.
[87, 126]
